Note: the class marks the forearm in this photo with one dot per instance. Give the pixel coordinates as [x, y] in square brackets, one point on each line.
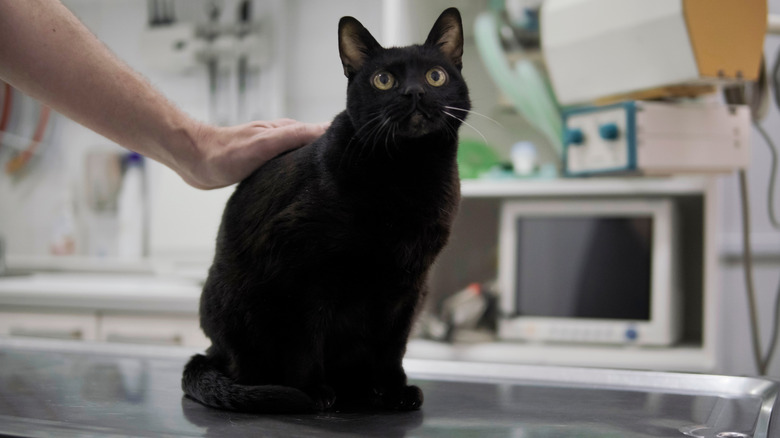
[46, 52]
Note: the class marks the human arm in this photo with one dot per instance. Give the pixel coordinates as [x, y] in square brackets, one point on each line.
[49, 54]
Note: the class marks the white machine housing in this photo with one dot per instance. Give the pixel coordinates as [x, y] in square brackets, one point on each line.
[600, 51]
[656, 138]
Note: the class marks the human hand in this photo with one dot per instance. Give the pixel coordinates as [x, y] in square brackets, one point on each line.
[226, 155]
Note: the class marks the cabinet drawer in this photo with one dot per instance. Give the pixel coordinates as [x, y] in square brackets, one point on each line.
[49, 325]
[152, 330]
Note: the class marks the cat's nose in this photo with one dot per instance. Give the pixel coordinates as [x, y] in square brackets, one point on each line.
[414, 90]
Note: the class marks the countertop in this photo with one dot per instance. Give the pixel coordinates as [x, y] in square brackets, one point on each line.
[68, 389]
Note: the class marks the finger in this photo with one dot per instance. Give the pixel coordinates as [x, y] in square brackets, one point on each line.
[278, 123]
[271, 124]
[294, 136]
[303, 133]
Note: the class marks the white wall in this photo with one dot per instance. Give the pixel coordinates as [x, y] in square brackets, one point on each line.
[56, 183]
[306, 82]
[316, 86]
[177, 211]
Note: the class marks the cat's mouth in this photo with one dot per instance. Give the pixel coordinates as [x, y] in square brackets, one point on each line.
[417, 120]
[418, 123]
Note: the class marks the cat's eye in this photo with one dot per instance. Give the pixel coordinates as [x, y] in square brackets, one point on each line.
[383, 81]
[436, 77]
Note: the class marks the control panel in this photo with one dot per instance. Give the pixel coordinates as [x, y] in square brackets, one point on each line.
[600, 141]
[588, 332]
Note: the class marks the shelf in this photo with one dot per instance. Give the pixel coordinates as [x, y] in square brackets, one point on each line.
[570, 187]
[685, 358]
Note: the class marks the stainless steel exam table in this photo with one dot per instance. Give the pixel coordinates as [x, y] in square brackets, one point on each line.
[67, 389]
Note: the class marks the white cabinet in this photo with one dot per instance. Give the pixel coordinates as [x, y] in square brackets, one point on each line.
[74, 326]
[152, 330]
[145, 329]
[104, 307]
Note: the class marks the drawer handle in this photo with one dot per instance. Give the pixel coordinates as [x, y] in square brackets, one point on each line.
[74, 334]
[145, 340]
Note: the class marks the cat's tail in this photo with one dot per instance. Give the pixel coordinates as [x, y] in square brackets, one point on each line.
[204, 383]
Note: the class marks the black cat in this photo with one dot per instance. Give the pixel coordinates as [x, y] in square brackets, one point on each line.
[323, 253]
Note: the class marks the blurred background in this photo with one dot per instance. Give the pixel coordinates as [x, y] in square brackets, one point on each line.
[101, 245]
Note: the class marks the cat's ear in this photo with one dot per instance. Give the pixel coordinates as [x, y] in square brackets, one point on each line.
[355, 44]
[447, 36]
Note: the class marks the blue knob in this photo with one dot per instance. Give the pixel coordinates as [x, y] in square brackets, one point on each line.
[609, 131]
[575, 136]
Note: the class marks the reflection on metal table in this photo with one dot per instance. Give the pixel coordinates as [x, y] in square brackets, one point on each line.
[70, 389]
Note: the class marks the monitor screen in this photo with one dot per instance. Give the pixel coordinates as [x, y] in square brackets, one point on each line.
[584, 267]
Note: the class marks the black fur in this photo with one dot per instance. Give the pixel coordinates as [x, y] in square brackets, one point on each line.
[323, 253]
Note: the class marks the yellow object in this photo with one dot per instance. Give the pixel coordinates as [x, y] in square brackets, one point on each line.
[727, 36]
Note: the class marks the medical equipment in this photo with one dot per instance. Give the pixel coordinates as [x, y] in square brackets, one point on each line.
[600, 271]
[612, 50]
[653, 138]
[522, 82]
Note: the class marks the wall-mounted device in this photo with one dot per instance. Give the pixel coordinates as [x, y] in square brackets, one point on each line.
[612, 50]
[655, 138]
[233, 52]
[589, 271]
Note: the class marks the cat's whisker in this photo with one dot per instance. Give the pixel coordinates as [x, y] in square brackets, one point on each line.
[363, 133]
[388, 146]
[467, 124]
[368, 124]
[395, 128]
[476, 114]
[451, 130]
[376, 133]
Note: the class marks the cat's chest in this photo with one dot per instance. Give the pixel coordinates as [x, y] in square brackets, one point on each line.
[391, 226]
[400, 242]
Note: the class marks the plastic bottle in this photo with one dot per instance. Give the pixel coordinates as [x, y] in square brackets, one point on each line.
[130, 209]
[524, 158]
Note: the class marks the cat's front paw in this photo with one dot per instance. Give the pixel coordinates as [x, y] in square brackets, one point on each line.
[323, 397]
[407, 398]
